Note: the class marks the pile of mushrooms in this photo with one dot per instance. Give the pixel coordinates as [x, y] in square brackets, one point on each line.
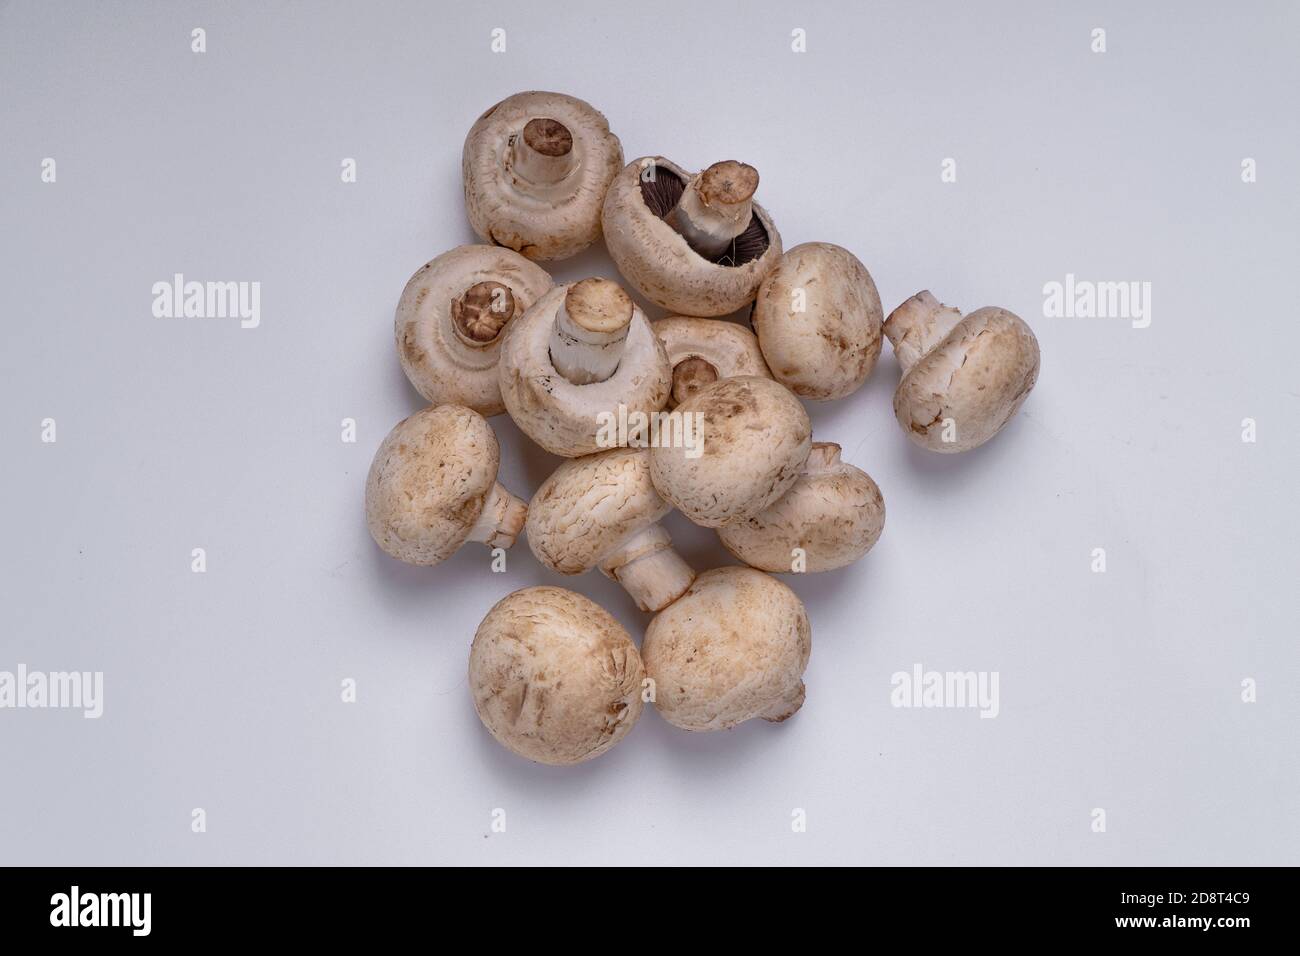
[483, 330]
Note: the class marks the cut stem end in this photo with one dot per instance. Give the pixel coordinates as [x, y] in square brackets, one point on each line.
[590, 330]
[543, 153]
[716, 206]
[501, 519]
[482, 312]
[917, 326]
[690, 375]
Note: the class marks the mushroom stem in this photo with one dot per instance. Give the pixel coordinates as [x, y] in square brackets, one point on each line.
[824, 457]
[543, 152]
[917, 326]
[786, 707]
[690, 375]
[501, 519]
[590, 329]
[649, 569]
[481, 312]
[716, 206]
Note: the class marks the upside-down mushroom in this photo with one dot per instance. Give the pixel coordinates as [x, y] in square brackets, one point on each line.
[695, 244]
[701, 351]
[536, 168]
[450, 321]
[583, 353]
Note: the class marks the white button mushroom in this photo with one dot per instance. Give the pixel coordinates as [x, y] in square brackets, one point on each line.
[536, 167]
[602, 511]
[555, 678]
[818, 321]
[582, 354]
[432, 487]
[755, 439]
[734, 646]
[963, 378]
[701, 351]
[450, 319]
[698, 245]
[833, 514]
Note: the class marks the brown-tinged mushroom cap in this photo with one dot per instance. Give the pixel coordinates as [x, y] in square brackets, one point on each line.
[963, 378]
[603, 511]
[536, 168]
[734, 646]
[755, 439]
[450, 321]
[567, 371]
[655, 210]
[818, 320]
[834, 514]
[432, 487]
[701, 351]
[555, 678]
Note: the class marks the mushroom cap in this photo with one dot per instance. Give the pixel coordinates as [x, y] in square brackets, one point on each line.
[564, 418]
[734, 646]
[978, 376]
[552, 223]
[591, 505]
[834, 512]
[444, 367]
[429, 481]
[731, 349]
[756, 438]
[827, 350]
[555, 677]
[657, 260]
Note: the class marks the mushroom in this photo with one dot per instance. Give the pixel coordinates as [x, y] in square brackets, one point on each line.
[834, 514]
[536, 167]
[694, 244]
[963, 378]
[818, 321]
[602, 511]
[432, 487]
[734, 646]
[756, 438]
[584, 355]
[701, 351]
[450, 319]
[555, 678]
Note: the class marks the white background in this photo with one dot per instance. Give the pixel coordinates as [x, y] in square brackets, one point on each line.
[1119, 691]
